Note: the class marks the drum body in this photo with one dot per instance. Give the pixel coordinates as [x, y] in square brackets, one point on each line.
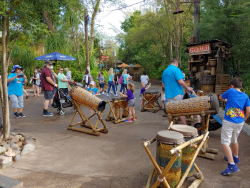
[86, 98]
[148, 95]
[121, 101]
[166, 140]
[188, 152]
[196, 104]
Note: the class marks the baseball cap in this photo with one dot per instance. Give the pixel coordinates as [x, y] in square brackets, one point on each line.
[92, 83]
[16, 67]
[48, 62]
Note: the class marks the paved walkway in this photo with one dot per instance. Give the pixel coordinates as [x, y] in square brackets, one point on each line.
[65, 158]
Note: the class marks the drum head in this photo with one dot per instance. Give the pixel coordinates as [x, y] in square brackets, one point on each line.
[170, 137]
[151, 92]
[215, 103]
[186, 130]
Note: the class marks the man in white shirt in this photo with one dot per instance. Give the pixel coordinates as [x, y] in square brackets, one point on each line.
[144, 78]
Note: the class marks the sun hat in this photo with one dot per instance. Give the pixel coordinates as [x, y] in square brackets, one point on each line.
[16, 67]
[92, 83]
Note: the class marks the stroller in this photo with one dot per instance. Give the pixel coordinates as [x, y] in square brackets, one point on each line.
[62, 100]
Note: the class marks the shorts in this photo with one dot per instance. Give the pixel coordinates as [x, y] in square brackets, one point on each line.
[230, 132]
[102, 85]
[176, 98]
[48, 95]
[17, 101]
[131, 102]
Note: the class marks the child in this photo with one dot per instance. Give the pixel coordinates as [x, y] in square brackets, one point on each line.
[131, 101]
[101, 82]
[143, 89]
[162, 97]
[233, 122]
[94, 91]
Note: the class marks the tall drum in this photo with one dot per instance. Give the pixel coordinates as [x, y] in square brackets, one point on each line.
[166, 140]
[86, 98]
[117, 105]
[148, 95]
[187, 152]
[196, 104]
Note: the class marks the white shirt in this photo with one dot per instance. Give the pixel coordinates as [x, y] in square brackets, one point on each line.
[144, 78]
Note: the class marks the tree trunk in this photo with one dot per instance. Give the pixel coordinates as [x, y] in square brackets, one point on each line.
[76, 45]
[92, 35]
[86, 38]
[170, 48]
[48, 22]
[5, 104]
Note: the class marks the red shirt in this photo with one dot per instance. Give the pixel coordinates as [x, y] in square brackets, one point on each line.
[45, 84]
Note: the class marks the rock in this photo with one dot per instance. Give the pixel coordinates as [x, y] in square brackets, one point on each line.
[28, 148]
[5, 161]
[2, 150]
[9, 149]
[28, 142]
[2, 143]
[21, 134]
[28, 138]
[11, 143]
[15, 147]
[10, 154]
[13, 134]
[16, 151]
[15, 139]
[22, 139]
[17, 157]
[19, 144]
[6, 146]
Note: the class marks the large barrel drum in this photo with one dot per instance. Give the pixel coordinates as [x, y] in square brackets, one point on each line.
[196, 104]
[167, 140]
[86, 98]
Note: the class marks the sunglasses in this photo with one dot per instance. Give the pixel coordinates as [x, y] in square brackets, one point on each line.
[61, 70]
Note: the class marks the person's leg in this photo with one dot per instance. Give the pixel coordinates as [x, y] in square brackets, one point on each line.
[47, 97]
[141, 103]
[25, 92]
[183, 120]
[226, 136]
[125, 88]
[130, 112]
[34, 89]
[235, 135]
[37, 90]
[228, 153]
[121, 89]
[109, 87]
[163, 101]
[14, 100]
[113, 87]
[133, 111]
[235, 149]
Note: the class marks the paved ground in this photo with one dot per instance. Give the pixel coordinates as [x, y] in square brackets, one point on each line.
[65, 158]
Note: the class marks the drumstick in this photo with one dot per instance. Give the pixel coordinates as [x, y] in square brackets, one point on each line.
[171, 123]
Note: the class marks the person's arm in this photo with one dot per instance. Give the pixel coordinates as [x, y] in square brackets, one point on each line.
[247, 113]
[83, 79]
[51, 81]
[221, 98]
[148, 86]
[122, 95]
[25, 79]
[55, 75]
[184, 85]
[11, 79]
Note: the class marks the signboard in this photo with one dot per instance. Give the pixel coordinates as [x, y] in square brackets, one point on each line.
[200, 49]
[104, 57]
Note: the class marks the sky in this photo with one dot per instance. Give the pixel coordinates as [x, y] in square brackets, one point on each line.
[115, 17]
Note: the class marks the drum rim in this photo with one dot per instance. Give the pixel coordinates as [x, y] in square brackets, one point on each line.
[191, 134]
[177, 142]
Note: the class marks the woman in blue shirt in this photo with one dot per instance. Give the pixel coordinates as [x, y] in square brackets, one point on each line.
[111, 82]
[15, 89]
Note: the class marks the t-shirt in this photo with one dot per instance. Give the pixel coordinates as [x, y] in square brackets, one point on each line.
[101, 79]
[45, 84]
[144, 78]
[110, 77]
[170, 78]
[236, 102]
[143, 89]
[62, 84]
[94, 90]
[125, 76]
[130, 95]
[16, 86]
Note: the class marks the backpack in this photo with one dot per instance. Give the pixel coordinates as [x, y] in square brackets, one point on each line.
[121, 80]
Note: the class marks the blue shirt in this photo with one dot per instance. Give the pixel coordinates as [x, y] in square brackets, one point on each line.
[130, 95]
[170, 78]
[94, 90]
[125, 76]
[236, 102]
[110, 77]
[16, 86]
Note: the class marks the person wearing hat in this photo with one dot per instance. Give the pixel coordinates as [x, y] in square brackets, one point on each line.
[15, 89]
[48, 85]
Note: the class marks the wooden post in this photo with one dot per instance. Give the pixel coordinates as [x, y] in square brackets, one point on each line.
[196, 20]
[86, 37]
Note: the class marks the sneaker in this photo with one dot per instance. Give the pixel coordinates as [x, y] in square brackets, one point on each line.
[230, 169]
[99, 94]
[21, 115]
[111, 92]
[103, 93]
[134, 119]
[236, 160]
[107, 95]
[128, 120]
[27, 97]
[116, 95]
[48, 114]
[16, 115]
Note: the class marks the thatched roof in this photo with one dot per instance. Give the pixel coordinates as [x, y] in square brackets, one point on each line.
[137, 66]
[123, 65]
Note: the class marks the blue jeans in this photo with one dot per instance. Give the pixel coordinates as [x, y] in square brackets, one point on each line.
[111, 84]
[116, 87]
[123, 87]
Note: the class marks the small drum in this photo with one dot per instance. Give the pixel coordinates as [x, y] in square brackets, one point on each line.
[188, 152]
[117, 106]
[166, 140]
[148, 95]
[196, 104]
[84, 97]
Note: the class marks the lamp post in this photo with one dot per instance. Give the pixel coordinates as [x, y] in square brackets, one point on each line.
[196, 17]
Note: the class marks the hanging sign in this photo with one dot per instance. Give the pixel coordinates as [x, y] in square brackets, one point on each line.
[104, 57]
[200, 49]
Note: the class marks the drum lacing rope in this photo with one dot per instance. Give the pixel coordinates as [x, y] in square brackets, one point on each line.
[148, 143]
[176, 152]
[198, 173]
[191, 143]
[161, 180]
